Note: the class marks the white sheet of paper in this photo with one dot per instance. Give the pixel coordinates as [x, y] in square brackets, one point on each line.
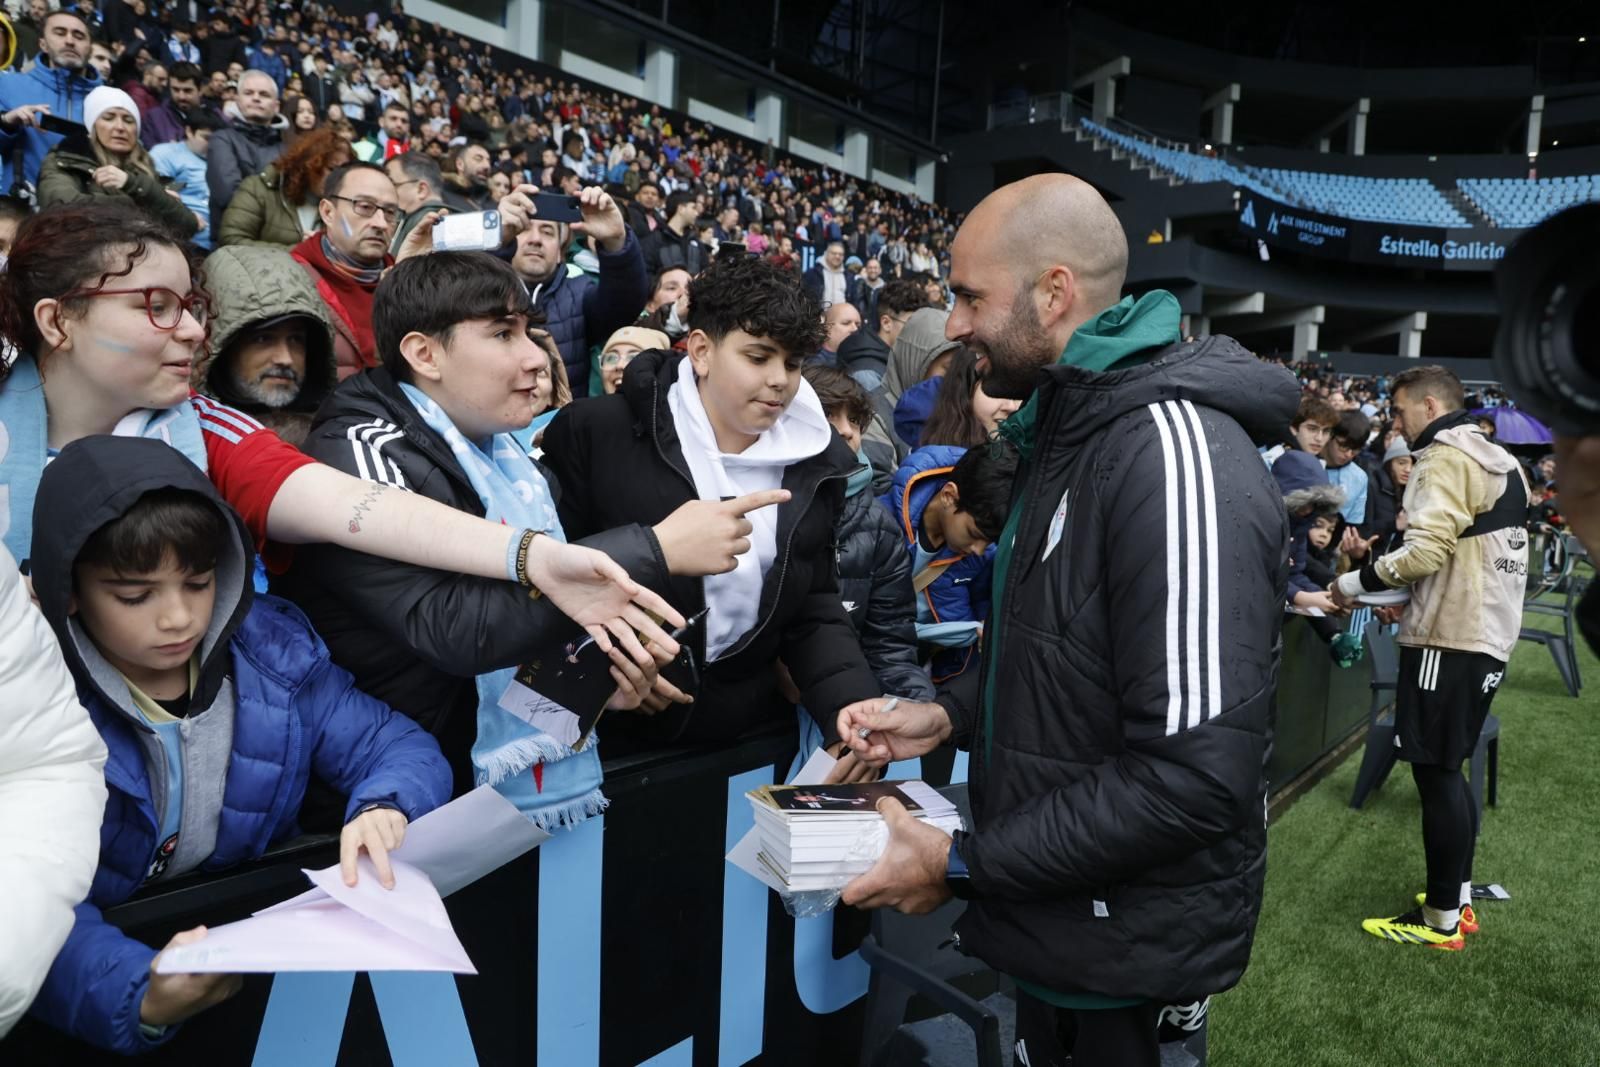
[455, 844]
[541, 713]
[364, 927]
[744, 853]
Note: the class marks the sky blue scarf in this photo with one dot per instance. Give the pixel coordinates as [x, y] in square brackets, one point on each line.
[24, 446]
[548, 782]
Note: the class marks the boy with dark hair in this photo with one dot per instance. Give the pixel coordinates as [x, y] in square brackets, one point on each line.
[874, 567]
[1348, 439]
[728, 438]
[1310, 499]
[216, 709]
[458, 376]
[950, 504]
[1309, 429]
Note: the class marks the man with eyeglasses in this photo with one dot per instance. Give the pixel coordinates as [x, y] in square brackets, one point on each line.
[246, 147]
[418, 181]
[347, 255]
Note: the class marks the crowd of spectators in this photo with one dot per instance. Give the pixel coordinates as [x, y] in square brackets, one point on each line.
[252, 79]
[297, 356]
[1343, 469]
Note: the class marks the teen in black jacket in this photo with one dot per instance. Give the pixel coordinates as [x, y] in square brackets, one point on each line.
[621, 463]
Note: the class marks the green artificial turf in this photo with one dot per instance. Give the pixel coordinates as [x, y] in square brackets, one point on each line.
[1524, 991]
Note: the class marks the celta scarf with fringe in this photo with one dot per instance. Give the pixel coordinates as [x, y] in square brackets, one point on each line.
[548, 782]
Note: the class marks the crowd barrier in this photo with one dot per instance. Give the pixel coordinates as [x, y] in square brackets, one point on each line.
[626, 942]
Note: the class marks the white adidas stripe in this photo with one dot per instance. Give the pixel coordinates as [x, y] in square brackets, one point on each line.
[1193, 618]
[1170, 481]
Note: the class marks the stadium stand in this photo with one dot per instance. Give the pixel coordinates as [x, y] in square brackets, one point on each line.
[1508, 202]
[1528, 202]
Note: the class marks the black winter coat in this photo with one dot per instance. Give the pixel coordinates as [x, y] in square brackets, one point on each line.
[620, 463]
[875, 589]
[1119, 738]
[414, 637]
[582, 310]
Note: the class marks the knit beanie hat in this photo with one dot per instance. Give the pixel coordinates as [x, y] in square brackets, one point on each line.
[104, 97]
[1396, 449]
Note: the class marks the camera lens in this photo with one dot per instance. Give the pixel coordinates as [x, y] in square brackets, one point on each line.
[1586, 331]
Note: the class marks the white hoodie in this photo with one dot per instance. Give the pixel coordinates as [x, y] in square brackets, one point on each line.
[802, 431]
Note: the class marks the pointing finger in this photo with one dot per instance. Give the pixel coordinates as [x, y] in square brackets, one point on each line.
[751, 501]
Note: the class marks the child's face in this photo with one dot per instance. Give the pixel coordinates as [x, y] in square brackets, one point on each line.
[1312, 436]
[144, 623]
[961, 533]
[1321, 533]
[746, 383]
[847, 430]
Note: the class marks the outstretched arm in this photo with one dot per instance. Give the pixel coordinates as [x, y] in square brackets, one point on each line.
[319, 504]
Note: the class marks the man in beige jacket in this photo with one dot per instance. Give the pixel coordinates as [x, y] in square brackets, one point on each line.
[1465, 563]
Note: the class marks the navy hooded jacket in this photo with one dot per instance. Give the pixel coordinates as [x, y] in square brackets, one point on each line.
[1303, 483]
[295, 714]
[961, 593]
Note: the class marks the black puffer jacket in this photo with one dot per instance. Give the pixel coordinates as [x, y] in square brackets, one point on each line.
[619, 461]
[1119, 740]
[875, 588]
[414, 637]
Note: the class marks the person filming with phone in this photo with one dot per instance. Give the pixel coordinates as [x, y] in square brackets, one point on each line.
[580, 310]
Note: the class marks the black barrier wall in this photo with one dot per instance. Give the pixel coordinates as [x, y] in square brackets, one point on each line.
[626, 942]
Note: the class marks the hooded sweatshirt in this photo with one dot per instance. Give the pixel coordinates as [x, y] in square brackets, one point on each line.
[920, 343]
[219, 784]
[1465, 555]
[802, 431]
[1304, 484]
[187, 758]
[255, 285]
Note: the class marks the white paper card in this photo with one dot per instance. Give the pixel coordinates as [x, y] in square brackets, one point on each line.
[352, 928]
[542, 713]
[456, 844]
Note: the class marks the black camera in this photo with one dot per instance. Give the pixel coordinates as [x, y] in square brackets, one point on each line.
[1547, 350]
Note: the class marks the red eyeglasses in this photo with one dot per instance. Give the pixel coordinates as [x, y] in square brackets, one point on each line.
[164, 307]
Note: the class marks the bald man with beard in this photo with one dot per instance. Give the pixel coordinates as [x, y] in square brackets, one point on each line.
[1118, 727]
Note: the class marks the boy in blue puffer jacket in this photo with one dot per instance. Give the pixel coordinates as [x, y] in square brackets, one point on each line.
[216, 710]
[951, 504]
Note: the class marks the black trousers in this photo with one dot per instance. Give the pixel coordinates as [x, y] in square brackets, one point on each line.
[1048, 1036]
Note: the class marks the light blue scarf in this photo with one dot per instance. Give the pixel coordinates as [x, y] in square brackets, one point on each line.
[25, 448]
[548, 782]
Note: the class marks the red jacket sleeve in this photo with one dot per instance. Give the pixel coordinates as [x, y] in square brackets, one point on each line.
[248, 464]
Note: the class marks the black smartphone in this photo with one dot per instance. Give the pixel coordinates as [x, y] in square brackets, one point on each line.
[732, 250]
[556, 207]
[684, 671]
[75, 135]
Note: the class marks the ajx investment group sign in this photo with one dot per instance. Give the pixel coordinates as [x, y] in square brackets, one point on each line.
[1354, 240]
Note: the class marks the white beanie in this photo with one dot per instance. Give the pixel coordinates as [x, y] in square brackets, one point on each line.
[102, 99]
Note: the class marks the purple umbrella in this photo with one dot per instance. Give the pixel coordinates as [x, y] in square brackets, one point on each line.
[1513, 427]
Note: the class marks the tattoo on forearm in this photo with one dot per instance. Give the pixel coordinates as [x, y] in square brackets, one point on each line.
[364, 507]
